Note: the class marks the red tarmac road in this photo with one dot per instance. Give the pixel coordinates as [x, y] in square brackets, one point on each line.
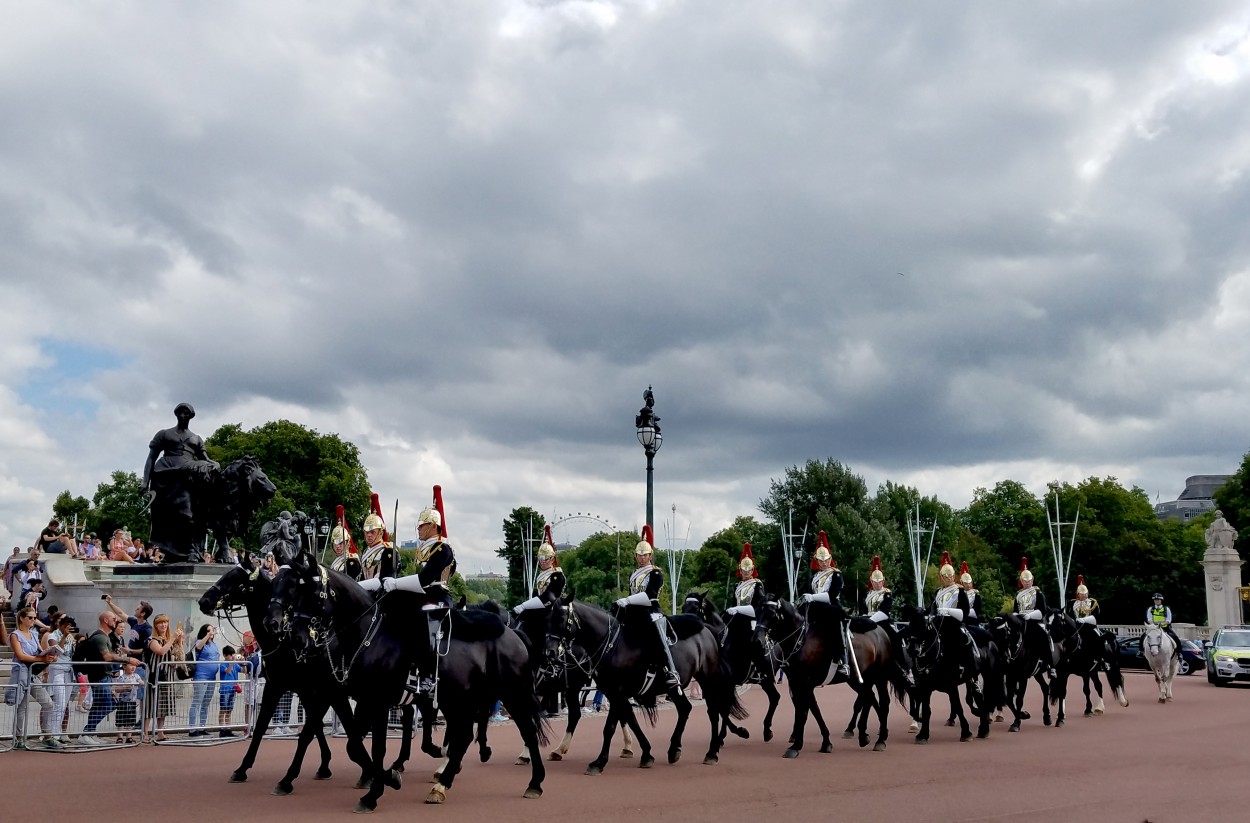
[1182, 761]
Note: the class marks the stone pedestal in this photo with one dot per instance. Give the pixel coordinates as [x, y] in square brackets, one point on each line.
[1223, 578]
[77, 586]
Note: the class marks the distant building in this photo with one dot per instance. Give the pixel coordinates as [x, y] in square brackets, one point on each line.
[1197, 498]
[486, 576]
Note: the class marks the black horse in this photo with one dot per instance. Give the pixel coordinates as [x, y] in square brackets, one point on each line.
[370, 647]
[1020, 664]
[942, 664]
[619, 661]
[1088, 650]
[567, 676]
[246, 587]
[809, 653]
[749, 659]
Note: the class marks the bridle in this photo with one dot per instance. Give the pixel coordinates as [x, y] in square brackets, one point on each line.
[797, 636]
[563, 657]
[321, 625]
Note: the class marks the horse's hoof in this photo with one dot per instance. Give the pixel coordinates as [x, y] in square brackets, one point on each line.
[437, 795]
[965, 737]
[743, 733]
[365, 808]
[922, 741]
[393, 780]
[1015, 727]
[913, 728]
[998, 717]
[483, 755]
[879, 747]
[674, 755]
[1089, 714]
[826, 747]
[768, 735]
[1163, 700]
[239, 776]
[556, 756]
[1096, 711]
[711, 760]
[626, 754]
[983, 733]
[863, 742]
[1059, 724]
[532, 793]
[399, 767]
[950, 722]
[1025, 715]
[593, 769]
[362, 783]
[791, 754]
[1045, 721]
[646, 761]
[282, 790]
[521, 761]
[847, 735]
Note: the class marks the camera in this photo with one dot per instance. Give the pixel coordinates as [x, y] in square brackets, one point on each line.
[104, 597]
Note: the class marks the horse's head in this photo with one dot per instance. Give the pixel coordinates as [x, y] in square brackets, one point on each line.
[232, 590]
[562, 626]
[299, 606]
[694, 603]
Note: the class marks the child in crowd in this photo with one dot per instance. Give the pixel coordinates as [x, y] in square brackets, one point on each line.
[126, 693]
[230, 687]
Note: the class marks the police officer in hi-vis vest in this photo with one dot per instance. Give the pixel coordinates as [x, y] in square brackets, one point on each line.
[1161, 616]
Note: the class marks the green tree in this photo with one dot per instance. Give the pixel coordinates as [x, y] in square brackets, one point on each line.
[483, 589]
[1012, 521]
[313, 472]
[899, 505]
[69, 509]
[524, 523]
[119, 504]
[1233, 498]
[592, 568]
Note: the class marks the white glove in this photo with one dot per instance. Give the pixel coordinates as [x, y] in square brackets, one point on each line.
[621, 601]
[806, 598]
[1033, 614]
[1087, 619]
[388, 584]
[955, 613]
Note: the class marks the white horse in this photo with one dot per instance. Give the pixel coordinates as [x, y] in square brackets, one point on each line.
[1160, 652]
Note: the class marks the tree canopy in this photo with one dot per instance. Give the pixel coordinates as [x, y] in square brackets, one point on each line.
[313, 472]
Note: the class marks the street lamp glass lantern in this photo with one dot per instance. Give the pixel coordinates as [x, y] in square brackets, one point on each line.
[648, 436]
[308, 528]
[325, 529]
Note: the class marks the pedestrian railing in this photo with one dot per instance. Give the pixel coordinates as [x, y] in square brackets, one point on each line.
[215, 704]
[79, 706]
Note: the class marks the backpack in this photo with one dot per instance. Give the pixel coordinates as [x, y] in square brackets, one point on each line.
[80, 656]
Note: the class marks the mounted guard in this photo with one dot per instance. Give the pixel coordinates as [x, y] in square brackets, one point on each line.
[827, 582]
[380, 559]
[1031, 605]
[550, 575]
[644, 586]
[346, 555]
[744, 592]
[878, 606]
[439, 565]
[951, 600]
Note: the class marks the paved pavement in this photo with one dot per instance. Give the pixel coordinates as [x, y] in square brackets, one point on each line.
[1181, 761]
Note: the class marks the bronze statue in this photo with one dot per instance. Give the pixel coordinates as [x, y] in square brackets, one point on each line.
[190, 495]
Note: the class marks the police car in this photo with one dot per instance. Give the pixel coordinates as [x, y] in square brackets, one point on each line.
[1228, 655]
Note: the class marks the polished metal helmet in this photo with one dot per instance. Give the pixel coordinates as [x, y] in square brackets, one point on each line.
[876, 575]
[430, 515]
[644, 545]
[1080, 585]
[1026, 576]
[965, 576]
[947, 568]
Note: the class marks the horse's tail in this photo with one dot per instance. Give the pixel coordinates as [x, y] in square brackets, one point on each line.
[725, 682]
[995, 677]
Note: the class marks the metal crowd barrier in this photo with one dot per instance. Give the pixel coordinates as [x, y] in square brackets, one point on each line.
[204, 708]
[50, 709]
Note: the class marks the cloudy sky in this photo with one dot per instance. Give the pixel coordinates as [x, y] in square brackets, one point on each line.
[946, 244]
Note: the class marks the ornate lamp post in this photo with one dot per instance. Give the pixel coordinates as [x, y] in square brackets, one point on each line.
[648, 425]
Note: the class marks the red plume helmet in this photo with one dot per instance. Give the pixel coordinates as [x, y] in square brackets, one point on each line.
[963, 567]
[1024, 569]
[875, 571]
[746, 563]
[340, 519]
[375, 506]
[438, 504]
[822, 551]
[947, 568]
[646, 544]
[547, 541]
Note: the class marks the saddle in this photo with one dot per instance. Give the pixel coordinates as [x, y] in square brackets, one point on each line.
[475, 626]
[686, 626]
[862, 625]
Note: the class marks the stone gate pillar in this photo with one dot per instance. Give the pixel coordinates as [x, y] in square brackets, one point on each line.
[1223, 574]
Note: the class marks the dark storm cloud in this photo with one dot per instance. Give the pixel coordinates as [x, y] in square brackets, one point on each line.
[920, 242]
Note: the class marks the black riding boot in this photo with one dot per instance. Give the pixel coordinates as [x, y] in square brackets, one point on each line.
[671, 681]
[429, 670]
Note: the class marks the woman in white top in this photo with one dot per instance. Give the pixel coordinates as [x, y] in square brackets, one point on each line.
[58, 645]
